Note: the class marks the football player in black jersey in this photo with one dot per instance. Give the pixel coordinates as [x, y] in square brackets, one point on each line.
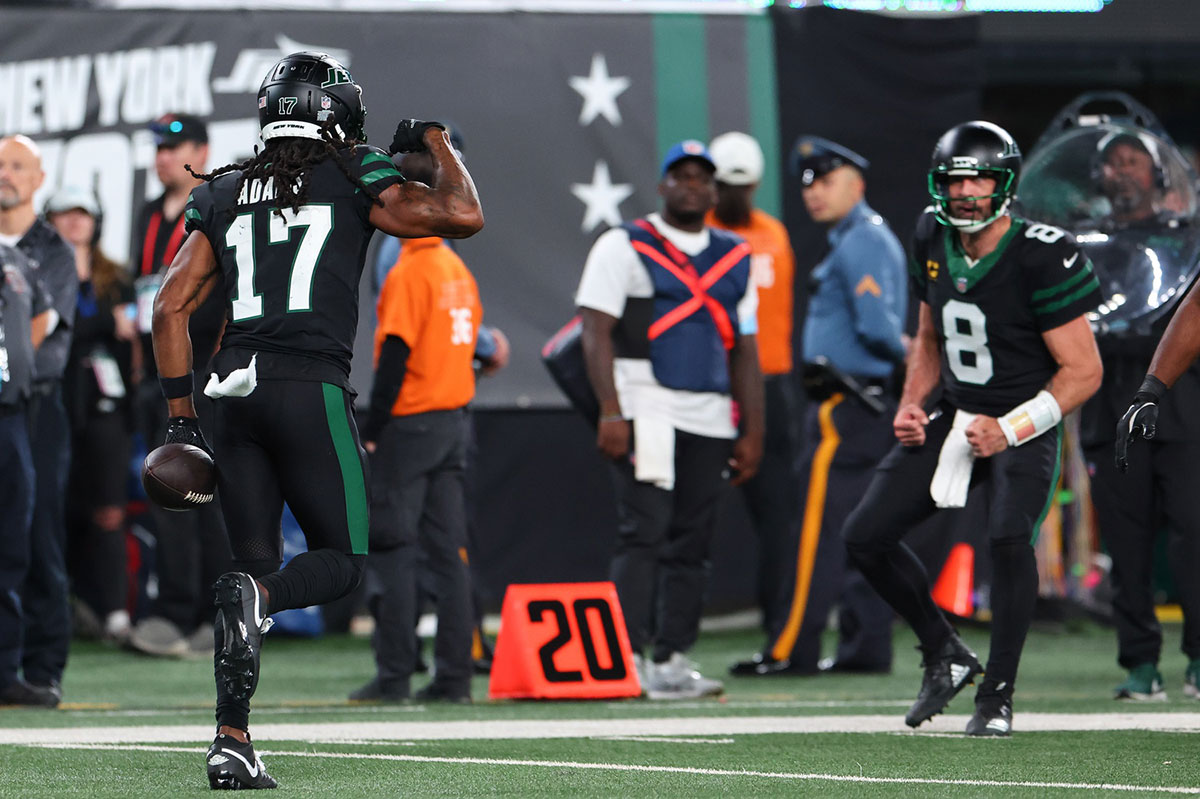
[1002, 351]
[283, 235]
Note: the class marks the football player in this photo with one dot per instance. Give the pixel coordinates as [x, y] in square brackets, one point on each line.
[283, 236]
[1002, 334]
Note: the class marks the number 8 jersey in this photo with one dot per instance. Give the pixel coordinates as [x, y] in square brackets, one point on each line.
[990, 314]
[291, 278]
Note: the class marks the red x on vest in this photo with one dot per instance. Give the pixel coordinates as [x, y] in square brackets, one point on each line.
[681, 267]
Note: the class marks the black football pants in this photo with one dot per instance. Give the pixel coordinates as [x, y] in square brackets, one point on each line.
[1160, 489]
[1016, 485]
[295, 442]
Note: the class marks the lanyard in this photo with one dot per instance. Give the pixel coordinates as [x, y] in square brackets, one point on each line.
[148, 244]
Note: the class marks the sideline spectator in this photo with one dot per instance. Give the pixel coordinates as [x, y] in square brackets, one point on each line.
[98, 393]
[1161, 488]
[417, 432]
[668, 313]
[44, 596]
[191, 548]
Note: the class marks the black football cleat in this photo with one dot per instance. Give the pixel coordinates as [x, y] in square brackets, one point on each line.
[993, 711]
[243, 618]
[233, 765]
[948, 670]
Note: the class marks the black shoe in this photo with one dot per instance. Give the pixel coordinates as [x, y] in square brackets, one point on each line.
[52, 687]
[762, 665]
[19, 692]
[947, 671]
[375, 691]
[241, 610]
[437, 692]
[835, 666]
[482, 665]
[232, 765]
[993, 712]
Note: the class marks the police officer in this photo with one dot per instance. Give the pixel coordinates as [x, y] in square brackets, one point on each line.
[852, 344]
[23, 317]
[44, 594]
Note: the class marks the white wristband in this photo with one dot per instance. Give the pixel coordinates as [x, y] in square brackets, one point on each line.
[1030, 419]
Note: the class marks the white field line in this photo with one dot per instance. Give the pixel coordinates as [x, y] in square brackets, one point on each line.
[704, 772]
[654, 739]
[715, 726]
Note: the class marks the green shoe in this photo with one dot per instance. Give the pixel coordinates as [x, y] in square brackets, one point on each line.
[1145, 684]
[1191, 679]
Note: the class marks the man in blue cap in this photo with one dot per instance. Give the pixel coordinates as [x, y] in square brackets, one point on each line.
[853, 340]
[669, 328]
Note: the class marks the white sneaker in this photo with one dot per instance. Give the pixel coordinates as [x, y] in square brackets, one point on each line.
[678, 679]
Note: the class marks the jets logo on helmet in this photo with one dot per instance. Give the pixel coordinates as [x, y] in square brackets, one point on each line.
[974, 149]
[337, 76]
[304, 91]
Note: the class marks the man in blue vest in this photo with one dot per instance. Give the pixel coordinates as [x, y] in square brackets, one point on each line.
[669, 329]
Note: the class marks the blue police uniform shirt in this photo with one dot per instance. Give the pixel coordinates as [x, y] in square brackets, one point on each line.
[856, 314]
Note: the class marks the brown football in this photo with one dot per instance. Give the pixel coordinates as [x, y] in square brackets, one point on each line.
[179, 477]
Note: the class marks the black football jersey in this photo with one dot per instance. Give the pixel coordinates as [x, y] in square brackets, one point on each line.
[990, 316]
[291, 280]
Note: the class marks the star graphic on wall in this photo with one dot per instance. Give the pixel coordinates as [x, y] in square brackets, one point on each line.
[602, 198]
[599, 92]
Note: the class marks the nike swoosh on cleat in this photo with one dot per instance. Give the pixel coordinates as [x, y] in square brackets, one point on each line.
[252, 769]
[1069, 262]
[999, 725]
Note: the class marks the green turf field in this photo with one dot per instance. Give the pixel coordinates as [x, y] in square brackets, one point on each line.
[137, 727]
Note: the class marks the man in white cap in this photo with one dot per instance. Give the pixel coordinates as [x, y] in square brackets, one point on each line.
[771, 494]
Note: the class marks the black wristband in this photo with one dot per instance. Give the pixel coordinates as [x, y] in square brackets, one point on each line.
[1152, 388]
[177, 387]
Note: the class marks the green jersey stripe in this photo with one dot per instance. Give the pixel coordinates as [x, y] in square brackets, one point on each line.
[1086, 288]
[354, 483]
[192, 213]
[1066, 285]
[380, 174]
[371, 158]
[1037, 526]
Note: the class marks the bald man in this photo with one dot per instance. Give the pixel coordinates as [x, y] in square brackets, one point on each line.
[47, 629]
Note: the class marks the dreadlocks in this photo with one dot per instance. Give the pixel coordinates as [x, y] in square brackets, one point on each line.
[284, 161]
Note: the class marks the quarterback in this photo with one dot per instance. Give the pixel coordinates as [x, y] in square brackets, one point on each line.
[1002, 352]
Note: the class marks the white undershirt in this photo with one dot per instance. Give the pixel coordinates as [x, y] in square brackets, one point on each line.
[615, 272]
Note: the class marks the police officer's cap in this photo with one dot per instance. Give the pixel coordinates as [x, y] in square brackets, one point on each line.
[813, 157]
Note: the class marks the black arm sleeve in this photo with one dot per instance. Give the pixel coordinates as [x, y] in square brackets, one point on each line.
[389, 377]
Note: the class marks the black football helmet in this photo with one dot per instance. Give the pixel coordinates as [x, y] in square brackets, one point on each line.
[968, 150]
[305, 90]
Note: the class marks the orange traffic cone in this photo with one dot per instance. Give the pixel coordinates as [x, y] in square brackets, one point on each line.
[952, 591]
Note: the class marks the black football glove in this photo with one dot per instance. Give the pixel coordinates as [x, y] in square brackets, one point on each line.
[1141, 420]
[410, 136]
[186, 430]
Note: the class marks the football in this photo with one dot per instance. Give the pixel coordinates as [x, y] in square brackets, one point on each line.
[179, 477]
